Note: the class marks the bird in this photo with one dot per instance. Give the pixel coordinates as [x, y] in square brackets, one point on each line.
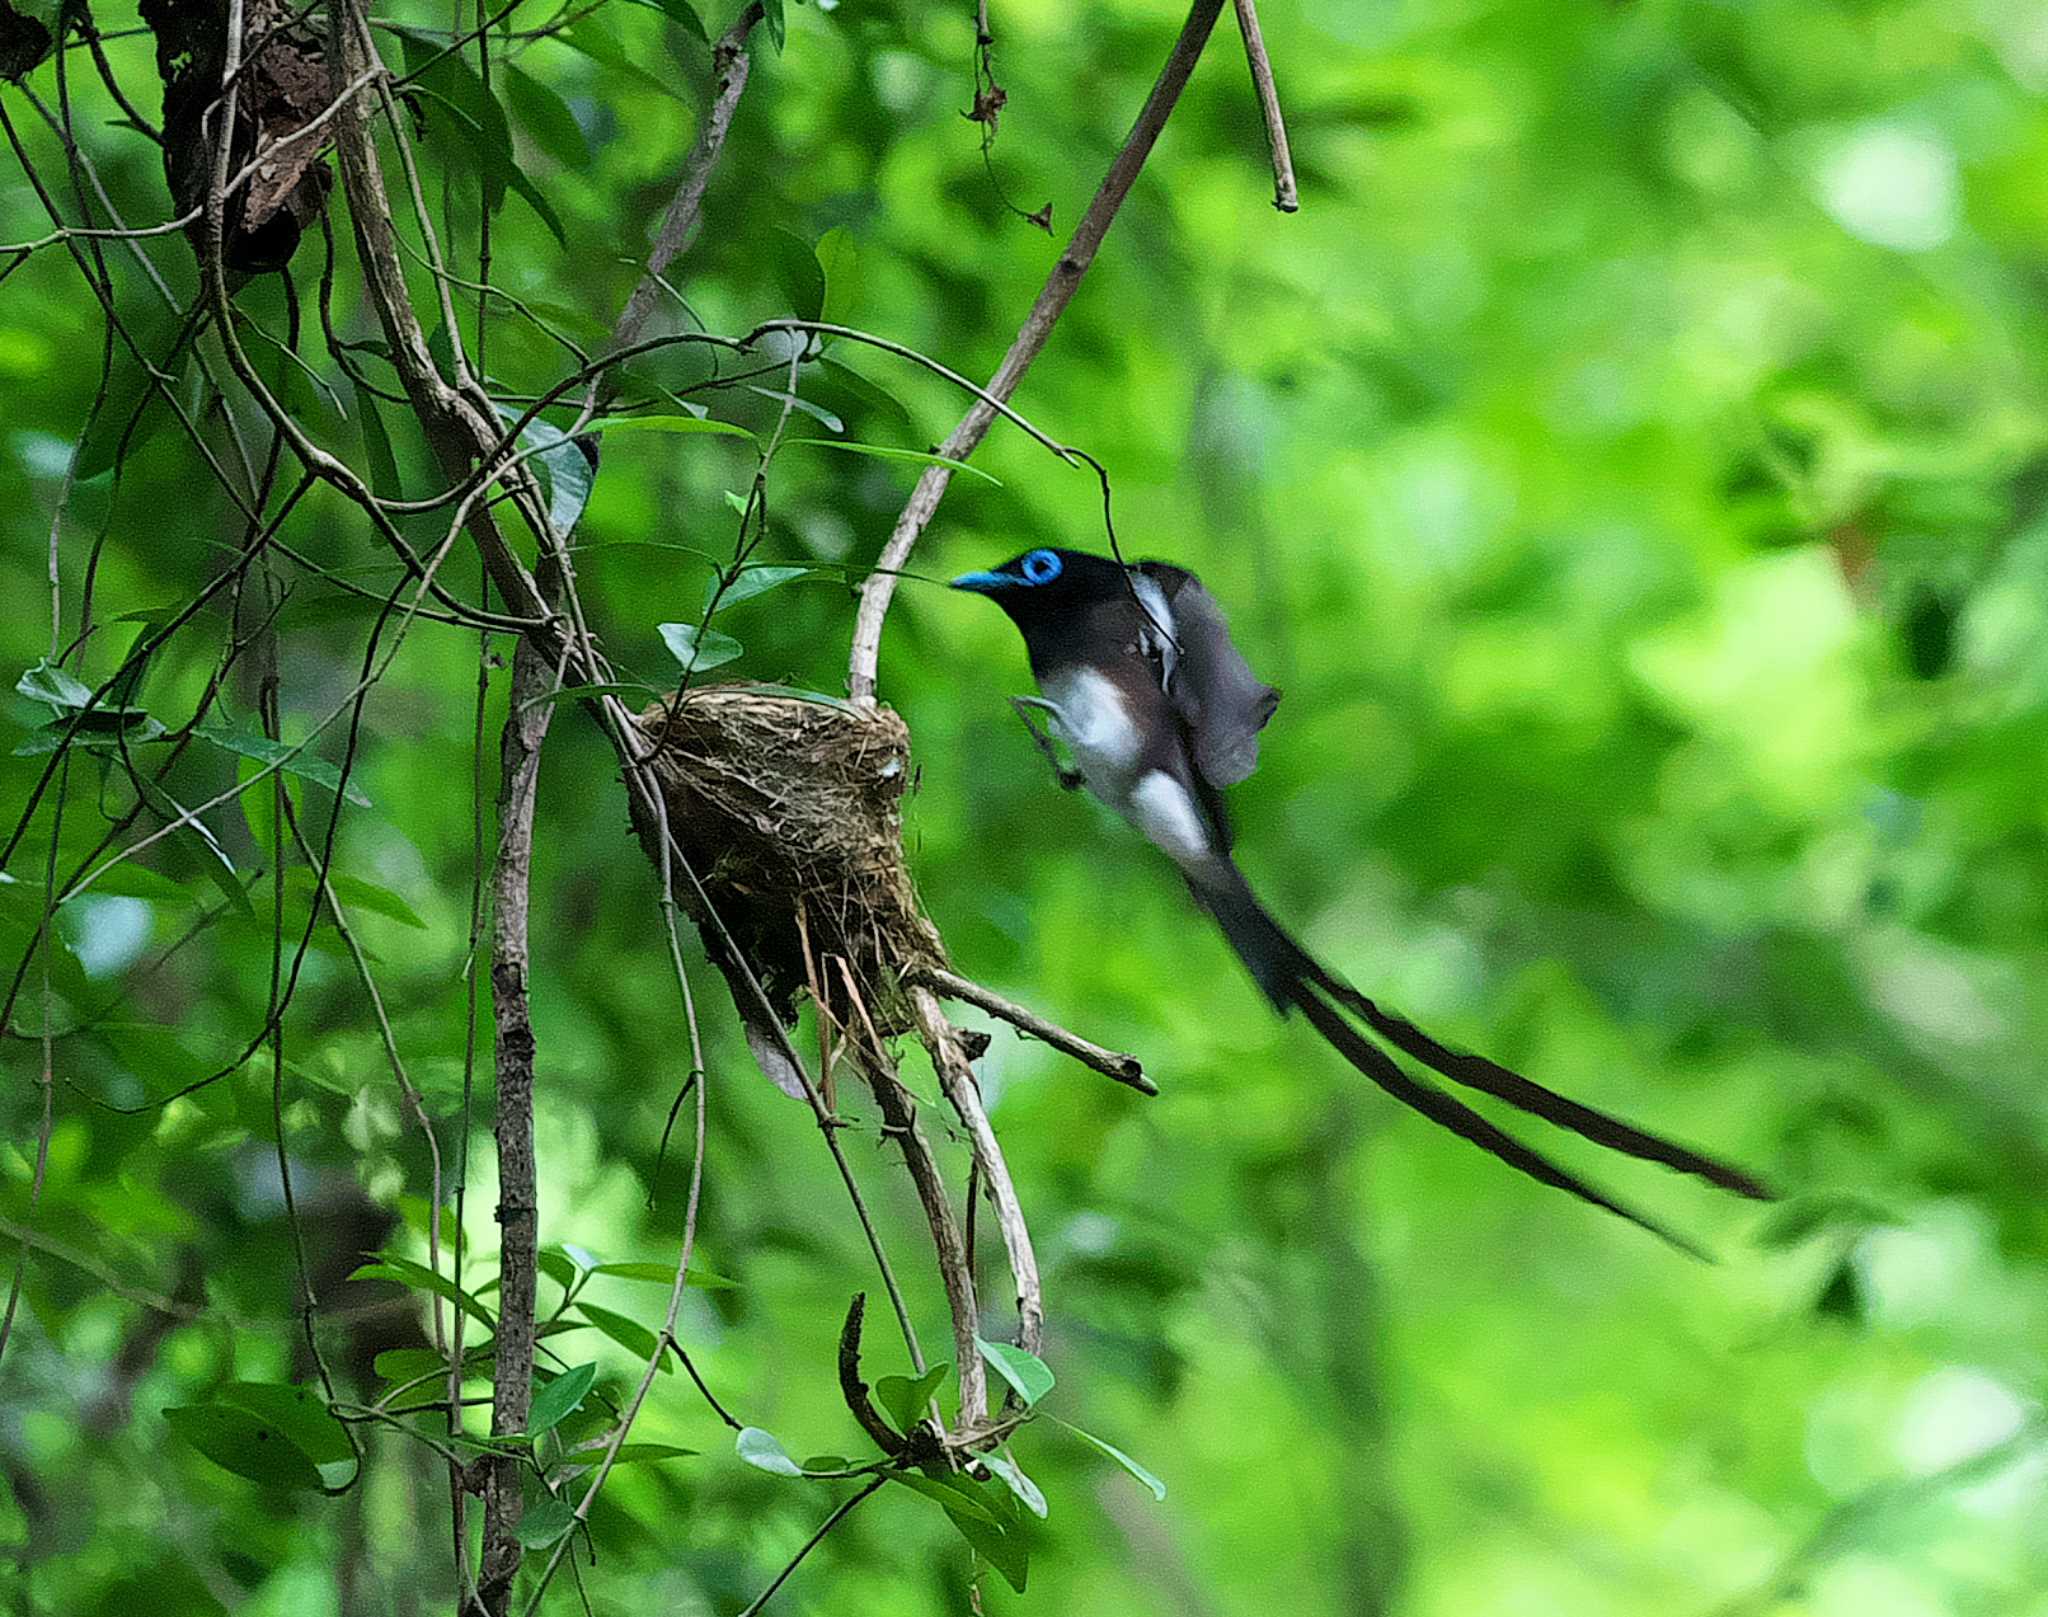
[1160, 712]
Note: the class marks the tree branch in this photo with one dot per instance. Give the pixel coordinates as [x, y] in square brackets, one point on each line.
[1285, 196]
[526, 727]
[1125, 1069]
[730, 67]
[1030, 340]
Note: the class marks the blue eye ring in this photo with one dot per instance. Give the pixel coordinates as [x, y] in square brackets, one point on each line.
[1040, 567]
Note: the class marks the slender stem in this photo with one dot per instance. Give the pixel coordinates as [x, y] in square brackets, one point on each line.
[1285, 197]
[1029, 342]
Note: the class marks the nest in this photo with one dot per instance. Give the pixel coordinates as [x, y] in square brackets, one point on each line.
[788, 809]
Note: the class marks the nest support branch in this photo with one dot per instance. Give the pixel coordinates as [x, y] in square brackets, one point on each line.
[790, 811]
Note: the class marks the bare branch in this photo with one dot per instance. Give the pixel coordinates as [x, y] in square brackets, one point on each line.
[730, 67]
[526, 727]
[1030, 340]
[1285, 196]
[1125, 1069]
[957, 1079]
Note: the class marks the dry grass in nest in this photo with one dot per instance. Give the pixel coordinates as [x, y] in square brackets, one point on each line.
[789, 810]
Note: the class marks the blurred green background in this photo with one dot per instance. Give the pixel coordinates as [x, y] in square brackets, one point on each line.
[1630, 462]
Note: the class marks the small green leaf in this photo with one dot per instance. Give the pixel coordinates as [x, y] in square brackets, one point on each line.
[389, 1266]
[560, 1399]
[797, 270]
[905, 1397]
[576, 693]
[889, 452]
[679, 12]
[357, 894]
[546, 117]
[245, 1444]
[1001, 1544]
[54, 688]
[953, 1492]
[1013, 1478]
[252, 744]
[1026, 1373]
[679, 424]
[839, 257]
[761, 1450]
[664, 1274]
[750, 582]
[1150, 1481]
[409, 1364]
[630, 1334]
[564, 467]
[646, 1453]
[280, 1436]
[544, 1521]
[777, 27]
[698, 649]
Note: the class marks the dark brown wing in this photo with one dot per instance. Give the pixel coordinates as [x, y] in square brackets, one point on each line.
[1221, 701]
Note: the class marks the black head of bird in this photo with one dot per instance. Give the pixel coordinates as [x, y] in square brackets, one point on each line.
[1139, 677]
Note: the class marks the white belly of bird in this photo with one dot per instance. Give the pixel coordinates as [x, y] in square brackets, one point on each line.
[1092, 720]
[1090, 717]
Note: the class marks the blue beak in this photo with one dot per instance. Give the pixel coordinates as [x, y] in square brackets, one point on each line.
[983, 583]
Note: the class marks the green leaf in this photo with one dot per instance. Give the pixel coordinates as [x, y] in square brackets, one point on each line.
[475, 114]
[678, 424]
[664, 1274]
[797, 271]
[1795, 1220]
[576, 693]
[698, 649]
[357, 894]
[1000, 1542]
[377, 450]
[301, 762]
[905, 1397]
[889, 452]
[546, 117]
[760, 1449]
[564, 468]
[649, 1453]
[750, 582]
[1150, 1481]
[560, 1399]
[389, 1266]
[680, 13]
[777, 26]
[630, 1334]
[302, 1415]
[587, 34]
[282, 1437]
[409, 1364]
[1012, 1476]
[245, 1444]
[258, 803]
[839, 257]
[544, 1521]
[1026, 1373]
[54, 688]
[954, 1492]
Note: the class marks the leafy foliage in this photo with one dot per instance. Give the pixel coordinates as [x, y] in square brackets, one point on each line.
[1630, 464]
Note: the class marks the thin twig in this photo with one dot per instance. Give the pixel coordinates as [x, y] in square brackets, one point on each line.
[1029, 342]
[1285, 197]
[1125, 1069]
[810, 1544]
[730, 67]
[956, 1077]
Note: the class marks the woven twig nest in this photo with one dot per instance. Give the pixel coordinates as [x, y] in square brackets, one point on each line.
[788, 808]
